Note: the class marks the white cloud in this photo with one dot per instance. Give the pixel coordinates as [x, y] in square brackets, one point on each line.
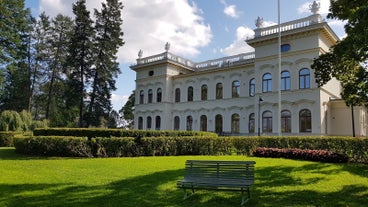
[148, 25]
[230, 10]
[118, 101]
[324, 6]
[239, 45]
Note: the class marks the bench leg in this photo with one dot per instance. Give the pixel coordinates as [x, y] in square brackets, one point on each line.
[186, 193]
[243, 197]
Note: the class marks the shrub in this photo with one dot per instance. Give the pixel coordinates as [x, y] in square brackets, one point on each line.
[114, 147]
[10, 121]
[313, 155]
[107, 133]
[6, 139]
[54, 146]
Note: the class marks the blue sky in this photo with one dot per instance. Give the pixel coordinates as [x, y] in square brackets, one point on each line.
[198, 30]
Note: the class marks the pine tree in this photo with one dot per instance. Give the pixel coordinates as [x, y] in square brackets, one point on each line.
[108, 39]
[14, 42]
[80, 58]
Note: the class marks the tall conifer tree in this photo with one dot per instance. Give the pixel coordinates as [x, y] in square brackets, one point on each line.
[80, 59]
[108, 39]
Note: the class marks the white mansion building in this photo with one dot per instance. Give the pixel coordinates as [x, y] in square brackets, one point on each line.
[240, 94]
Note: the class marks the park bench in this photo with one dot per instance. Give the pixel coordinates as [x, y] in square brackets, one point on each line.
[218, 175]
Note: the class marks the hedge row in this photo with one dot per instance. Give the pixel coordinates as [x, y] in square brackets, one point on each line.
[355, 148]
[120, 147]
[312, 155]
[6, 138]
[99, 132]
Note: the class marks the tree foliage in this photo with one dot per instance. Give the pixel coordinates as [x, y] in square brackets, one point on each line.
[61, 69]
[347, 60]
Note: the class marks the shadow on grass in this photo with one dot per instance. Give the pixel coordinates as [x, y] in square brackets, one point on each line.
[159, 190]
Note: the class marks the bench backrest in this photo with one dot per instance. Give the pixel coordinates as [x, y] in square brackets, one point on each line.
[240, 170]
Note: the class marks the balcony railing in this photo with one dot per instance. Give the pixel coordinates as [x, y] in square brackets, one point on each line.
[210, 64]
[296, 24]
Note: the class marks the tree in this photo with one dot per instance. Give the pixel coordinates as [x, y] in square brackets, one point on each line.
[80, 58]
[347, 60]
[107, 40]
[14, 41]
[127, 111]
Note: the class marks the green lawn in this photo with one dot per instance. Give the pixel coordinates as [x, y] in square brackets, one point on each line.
[151, 181]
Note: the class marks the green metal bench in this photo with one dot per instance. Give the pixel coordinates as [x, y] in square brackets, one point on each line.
[218, 175]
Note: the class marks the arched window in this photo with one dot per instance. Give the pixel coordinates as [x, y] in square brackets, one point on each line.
[176, 123]
[190, 93]
[285, 80]
[149, 122]
[252, 87]
[251, 124]
[189, 123]
[158, 123]
[177, 95]
[150, 96]
[285, 121]
[219, 91]
[235, 89]
[304, 78]
[267, 83]
[305, 120]
[159, 95]
[141, 97]
[203, 126]
[218, 124]
[204, 91]
[267, 121]
[235, 125]
[140, 122]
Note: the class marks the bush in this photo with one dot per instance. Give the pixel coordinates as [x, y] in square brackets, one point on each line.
[313, 155]
[107, 133]
[10, 121]
[54, 146]
[114, 147]
[6, 139]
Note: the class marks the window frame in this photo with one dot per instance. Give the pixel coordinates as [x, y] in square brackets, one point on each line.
[267, 83]
[304, 78]
[235, 89]
[285, 81]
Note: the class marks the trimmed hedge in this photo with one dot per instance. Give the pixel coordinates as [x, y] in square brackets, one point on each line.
[312, 155]
[107, 133]
[355, 148]
[54, 146]
[6, 138]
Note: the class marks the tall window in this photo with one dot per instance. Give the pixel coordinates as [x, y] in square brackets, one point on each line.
[204, 91]
[235, 89]
[267, 83]
[285, 80]
[177, 95]
[150, 96]
[158, 123]
[251, 124]
[189, 123]
[141, 97]
[219, 91]
[305, 120]
[159, 95]
[140, 122]
[203, 126]
[252, 87]
[176, 123]
[218, 123]
[149, 122]
[267, 121]
[190, 93]
[235, 125]
[285, 121]
[304, 78]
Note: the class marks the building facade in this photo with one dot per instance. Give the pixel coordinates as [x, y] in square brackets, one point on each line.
[247, 93]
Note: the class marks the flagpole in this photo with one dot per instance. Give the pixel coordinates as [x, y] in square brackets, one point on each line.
[279, 71]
